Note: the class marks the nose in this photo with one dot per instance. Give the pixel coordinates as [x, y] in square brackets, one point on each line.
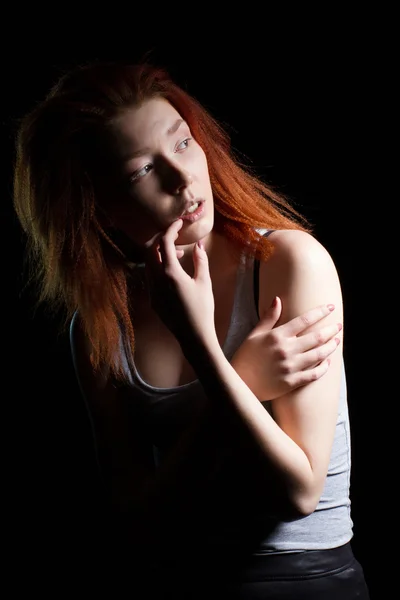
[176, 178]
[181, 181]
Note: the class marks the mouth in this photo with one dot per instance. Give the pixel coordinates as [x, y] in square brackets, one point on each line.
[194, 211]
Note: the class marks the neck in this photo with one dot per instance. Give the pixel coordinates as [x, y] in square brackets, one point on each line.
[222, 255]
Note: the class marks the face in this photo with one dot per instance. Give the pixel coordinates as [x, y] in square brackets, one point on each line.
[164, 174]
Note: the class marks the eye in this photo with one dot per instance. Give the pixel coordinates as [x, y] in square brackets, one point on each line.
[183, 145]
[141, 172]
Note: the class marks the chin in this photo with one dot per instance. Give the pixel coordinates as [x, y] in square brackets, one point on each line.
[194, 233]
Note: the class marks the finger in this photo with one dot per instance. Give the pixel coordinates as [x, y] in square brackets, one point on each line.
[271, 315]
[302, 378]
[314, 357]
[153, 267]
[200, 262]
[299, 324]
[315, 339]
[153, 264]
[167, 244]
[152, 250]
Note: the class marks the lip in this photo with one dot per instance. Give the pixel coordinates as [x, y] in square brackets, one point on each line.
[197, 214]
[190, 203]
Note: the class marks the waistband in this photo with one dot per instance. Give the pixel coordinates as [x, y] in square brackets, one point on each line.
[305, 564]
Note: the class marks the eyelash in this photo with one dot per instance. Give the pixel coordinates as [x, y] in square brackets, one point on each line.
[136, 175]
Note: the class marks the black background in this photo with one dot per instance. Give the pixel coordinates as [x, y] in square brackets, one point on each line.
[299, 103]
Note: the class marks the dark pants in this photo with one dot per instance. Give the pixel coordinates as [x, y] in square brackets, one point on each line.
[312, 575]
[201, 574]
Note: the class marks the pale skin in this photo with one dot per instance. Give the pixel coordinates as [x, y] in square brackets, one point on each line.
[292, 359]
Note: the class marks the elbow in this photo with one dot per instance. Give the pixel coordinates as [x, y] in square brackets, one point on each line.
[294, 510]
[304, 496]
[305, 506]
[292, 499]
[290, 507]
[296, 503]
[304, 503]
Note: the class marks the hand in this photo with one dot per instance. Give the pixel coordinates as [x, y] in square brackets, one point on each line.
[185, 304]
[273, 362]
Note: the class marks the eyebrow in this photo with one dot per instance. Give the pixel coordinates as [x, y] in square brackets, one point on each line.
[170, 131]
[175, 126]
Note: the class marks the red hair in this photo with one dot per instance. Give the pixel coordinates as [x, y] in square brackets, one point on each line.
[57, 169]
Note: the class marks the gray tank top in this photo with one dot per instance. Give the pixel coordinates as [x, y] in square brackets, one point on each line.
[165, 411]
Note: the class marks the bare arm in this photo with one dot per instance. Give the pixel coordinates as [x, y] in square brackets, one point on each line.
[126, 457]
[297, 441]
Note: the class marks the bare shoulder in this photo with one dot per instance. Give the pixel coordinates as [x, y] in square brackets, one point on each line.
[301, 271]
[301, 248]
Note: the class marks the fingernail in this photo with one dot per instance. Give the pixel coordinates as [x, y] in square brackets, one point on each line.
[274, 301]
[200, 245]
[331, 307]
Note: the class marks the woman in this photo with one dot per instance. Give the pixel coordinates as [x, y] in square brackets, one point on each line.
[205, 326]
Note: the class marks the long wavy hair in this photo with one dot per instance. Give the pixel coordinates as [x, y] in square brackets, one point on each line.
[73, 258]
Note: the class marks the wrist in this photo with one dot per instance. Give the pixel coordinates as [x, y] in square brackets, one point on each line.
[202, 351]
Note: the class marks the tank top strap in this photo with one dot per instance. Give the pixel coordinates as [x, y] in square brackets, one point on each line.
[256, 272]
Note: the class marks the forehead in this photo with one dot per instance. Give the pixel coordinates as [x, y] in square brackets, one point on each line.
[137, 126]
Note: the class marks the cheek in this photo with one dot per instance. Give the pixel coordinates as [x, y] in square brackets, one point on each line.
[201, 165]
[137, 204]
[135, 219]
